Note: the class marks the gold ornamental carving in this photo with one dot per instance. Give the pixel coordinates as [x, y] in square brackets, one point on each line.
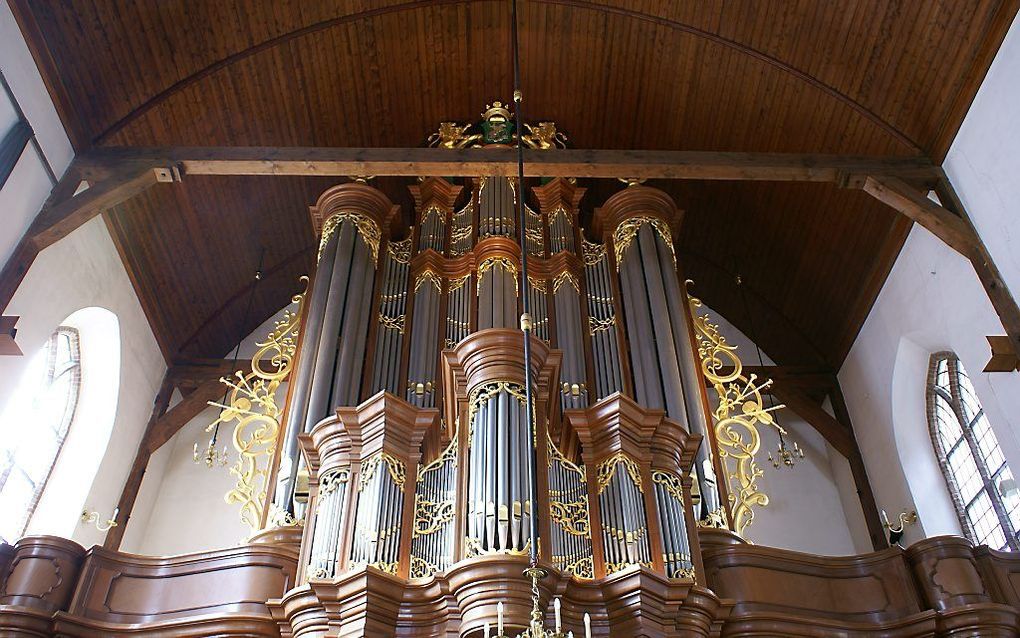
[607, 469]
[400, 251]
[628, 229]
[428, 275]
[670, 482]
[566, 277]
[572, 517]
[737, 415]
[593, 253]
[366, 227]
[396, 468]
[485, 391]
[252, 404]
[430, 516]
[392, 323]
[503, 262]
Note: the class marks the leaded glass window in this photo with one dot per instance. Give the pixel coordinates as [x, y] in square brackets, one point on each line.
[34, 426]
[980, 482]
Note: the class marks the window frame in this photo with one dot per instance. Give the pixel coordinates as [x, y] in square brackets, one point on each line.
[953, 398]
[74, 368]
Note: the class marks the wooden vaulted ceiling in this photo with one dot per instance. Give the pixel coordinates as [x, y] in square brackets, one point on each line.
[874, 77]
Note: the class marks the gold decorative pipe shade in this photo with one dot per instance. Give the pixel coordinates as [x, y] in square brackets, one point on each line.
[737, 414]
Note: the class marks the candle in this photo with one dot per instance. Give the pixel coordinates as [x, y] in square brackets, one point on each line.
[499, 619]
[587, 626]
[556, 612]
[486, 630]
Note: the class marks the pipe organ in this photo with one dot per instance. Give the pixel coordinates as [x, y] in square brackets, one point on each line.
[408, 398]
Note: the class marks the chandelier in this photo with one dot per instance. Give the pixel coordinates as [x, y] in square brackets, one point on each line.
[536, 629]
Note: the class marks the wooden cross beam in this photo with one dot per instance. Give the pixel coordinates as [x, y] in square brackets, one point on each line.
[123, 172]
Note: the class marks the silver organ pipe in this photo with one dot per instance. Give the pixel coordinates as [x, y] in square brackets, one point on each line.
[534, 233]
[462, 229]
[561, 231]
[432, 231]
[329, 523]
[458, 310]
[602, 320]
[569, 339]
[539, 307]
[433, 533]
[380, 508]
[568, 511]
[676, 550]
[424, 345]
[496, 198]
[497, 507]
[655, 316]
[621, 501]
[392, 318]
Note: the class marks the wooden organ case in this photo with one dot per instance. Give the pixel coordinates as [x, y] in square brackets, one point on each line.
[408, 405]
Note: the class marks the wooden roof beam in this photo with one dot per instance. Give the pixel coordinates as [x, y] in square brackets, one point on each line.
[471, 162]
[66, 209]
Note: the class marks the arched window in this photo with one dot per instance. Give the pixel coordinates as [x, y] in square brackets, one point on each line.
[34, 426]
[980, 482]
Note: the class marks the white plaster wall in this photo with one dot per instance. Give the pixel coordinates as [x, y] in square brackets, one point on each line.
[80, 271]
[180, 506]
[933, 301]
[188, 512]
[809, 509]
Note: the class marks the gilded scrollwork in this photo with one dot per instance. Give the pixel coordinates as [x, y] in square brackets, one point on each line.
[366, 227]
[430, 516]
[607, 469]
[503, 262]
[421, 568]
[583, 567]
[538, 284]
[396, 468]
[598, 325]
[392, 323]
[628, 229]
[593, 253]
[566, 277]
[555, 455]
[738, 412]
[612, 568]
[251, 402]
[428, 275]
[486, 391]
[400, 251]
[670, 482]
[572, 517]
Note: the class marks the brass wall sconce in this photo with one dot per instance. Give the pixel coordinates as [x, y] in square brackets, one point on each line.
[896, 530]
[93, 517]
